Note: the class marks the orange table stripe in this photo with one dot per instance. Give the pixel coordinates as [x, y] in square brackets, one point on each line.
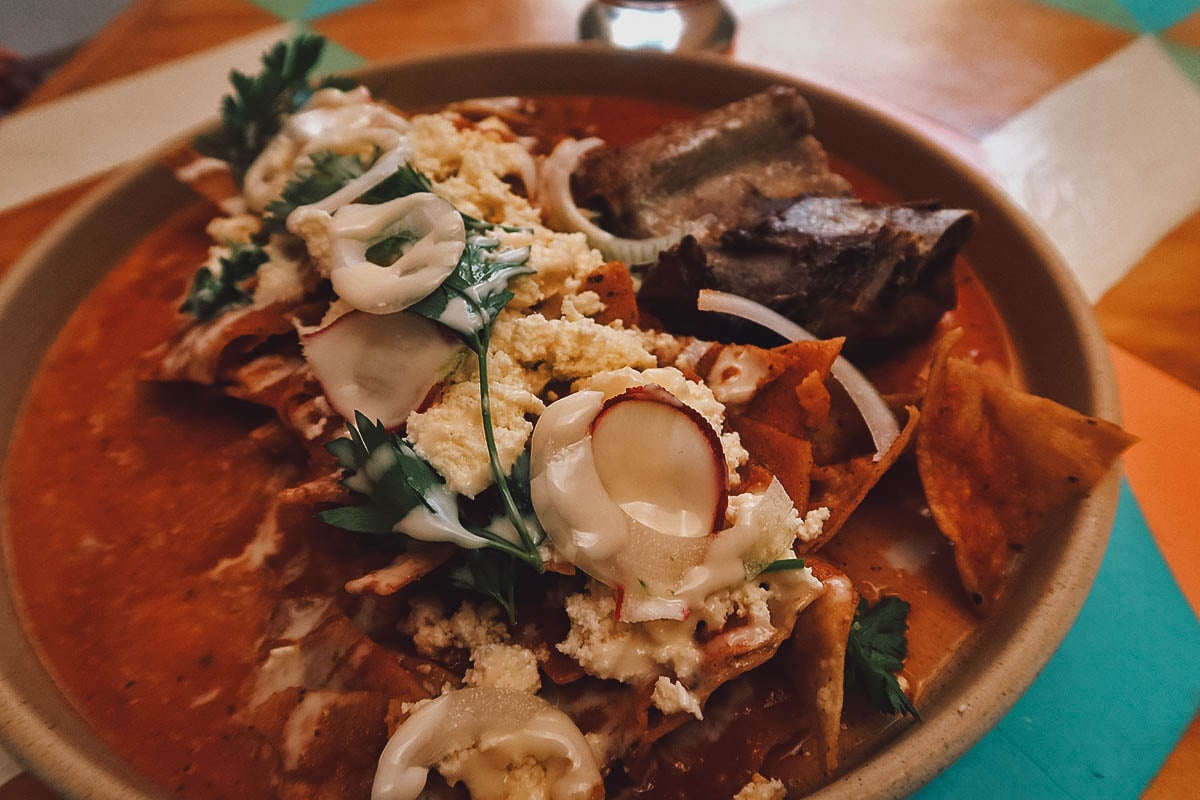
[1164, 467]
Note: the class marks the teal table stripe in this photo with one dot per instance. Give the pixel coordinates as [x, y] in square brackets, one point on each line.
[1112, 703]
[319, 8]
[300, 10]
[1158, 15]
[1109, 12]
[1135, 16]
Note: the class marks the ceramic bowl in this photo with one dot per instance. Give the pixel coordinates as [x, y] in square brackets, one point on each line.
[1057, 342]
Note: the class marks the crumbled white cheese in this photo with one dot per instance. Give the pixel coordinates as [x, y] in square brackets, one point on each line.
[468, 165]
[449, 434]
[495, 663]
[428, 626]
[577, 306]
[572, 349]
[780, 522]
[234, 229]
[814, 524]
[279, 279]
[504, 666]
[760, 788]
[631, 653]
[747, 602]
[671, 697]
[312, 225]
[475, 625]
[560, 262]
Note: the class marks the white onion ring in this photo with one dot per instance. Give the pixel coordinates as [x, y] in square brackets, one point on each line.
[875, 412]
[554, 193]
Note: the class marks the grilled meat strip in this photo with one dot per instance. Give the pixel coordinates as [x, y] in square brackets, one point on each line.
[710, 169]
[878, 274]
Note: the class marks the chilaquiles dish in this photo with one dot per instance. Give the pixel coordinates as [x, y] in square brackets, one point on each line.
[557, 448]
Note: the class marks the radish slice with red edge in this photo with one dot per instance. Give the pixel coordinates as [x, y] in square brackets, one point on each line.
[661, 462]
[383, 365]
[630, 490]
[875, 412]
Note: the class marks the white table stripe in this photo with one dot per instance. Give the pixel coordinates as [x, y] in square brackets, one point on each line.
[87, 133]
[1108, 162]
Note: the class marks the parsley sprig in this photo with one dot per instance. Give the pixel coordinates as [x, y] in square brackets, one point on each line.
[325, 173]
[211, 295]
[875, 652]
[783, 564]
[254, 112]
[491, 574]
[329, 171]
[385, 468]
[468, 303]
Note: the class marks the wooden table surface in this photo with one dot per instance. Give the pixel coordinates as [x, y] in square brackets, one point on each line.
[921, 58]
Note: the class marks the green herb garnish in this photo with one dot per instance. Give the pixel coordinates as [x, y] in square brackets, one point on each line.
[468, 303]
[389, 250]
[491, 574]
[875, 652]
[406, 180]
[396, 480]
[327, 173]
[254, 112]
[783, 564]
[211, 295]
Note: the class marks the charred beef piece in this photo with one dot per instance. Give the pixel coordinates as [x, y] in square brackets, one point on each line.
[880, 275]
[713, 168]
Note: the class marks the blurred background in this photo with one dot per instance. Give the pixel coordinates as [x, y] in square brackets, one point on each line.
[38, 35]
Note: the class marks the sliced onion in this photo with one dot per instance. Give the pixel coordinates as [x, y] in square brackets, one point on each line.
[554, 193]
[416, 272]
[875, 412]
[488, 730]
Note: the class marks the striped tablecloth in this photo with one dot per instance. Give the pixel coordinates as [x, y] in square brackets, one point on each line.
[1086, 111]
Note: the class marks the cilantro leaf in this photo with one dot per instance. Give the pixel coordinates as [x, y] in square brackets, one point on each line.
[480, 284]
[387, 251]
[327, 173]
[211, 295]
[406, 180]
[409, 180]
[468, 302]
[381, 465]
[490, 573]
[368, 518]
[254, 112]
[875, 652]
[783, 564]
[396, 480]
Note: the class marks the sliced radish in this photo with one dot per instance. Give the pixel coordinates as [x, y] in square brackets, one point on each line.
[383, 365]
[661, 462]
[629, 490]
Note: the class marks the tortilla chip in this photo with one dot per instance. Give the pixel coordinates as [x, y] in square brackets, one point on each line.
[614, 284]
[995, 462]
[818, 648]
[842, 487]
[788, 458]
[791, 400]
